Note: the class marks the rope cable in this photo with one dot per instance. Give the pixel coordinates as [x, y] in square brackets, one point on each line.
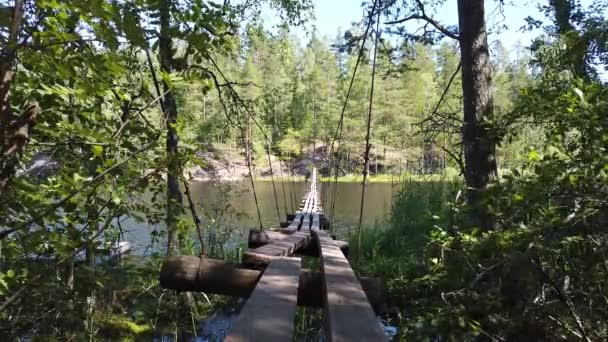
[247, 143]
[367, 141]
[292, 194]
[283, 186]
[338, 134]
[236, 96]
[274, 188]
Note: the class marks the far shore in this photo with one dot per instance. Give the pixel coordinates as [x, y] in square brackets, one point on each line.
[352, 178]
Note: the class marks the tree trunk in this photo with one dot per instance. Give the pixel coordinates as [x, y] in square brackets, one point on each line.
[479, 148]
[563, 12]
[384, 148]
[174, 196]
[8, 54]
[348, 161]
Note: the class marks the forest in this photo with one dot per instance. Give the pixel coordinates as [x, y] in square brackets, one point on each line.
[496, 156]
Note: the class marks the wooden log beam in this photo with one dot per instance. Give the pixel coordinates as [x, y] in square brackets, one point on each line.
[259, 238]
[190, 273]
[323, 221]
[261, 256]
[181, 273]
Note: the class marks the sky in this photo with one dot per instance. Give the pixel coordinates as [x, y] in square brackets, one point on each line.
[504, 26]
[334, 14]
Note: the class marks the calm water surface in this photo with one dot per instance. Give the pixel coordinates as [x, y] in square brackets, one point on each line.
[232, 205]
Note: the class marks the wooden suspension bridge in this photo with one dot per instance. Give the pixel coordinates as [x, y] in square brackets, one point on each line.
[272, 278]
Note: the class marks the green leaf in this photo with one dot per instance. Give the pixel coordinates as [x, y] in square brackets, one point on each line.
[533, 156]
[580, 94]
[3, 286]
[133, 30]
[461, 322]
[518, 197]
[97, 150]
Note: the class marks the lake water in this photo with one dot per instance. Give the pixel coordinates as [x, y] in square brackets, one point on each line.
[231, 206]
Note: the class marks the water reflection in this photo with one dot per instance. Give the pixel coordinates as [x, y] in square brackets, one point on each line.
[233, 203]
[348, 200]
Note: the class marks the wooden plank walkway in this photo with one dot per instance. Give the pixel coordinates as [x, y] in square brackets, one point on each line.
[269, 313]
[297, 239]
[310, 204]
[277, 248]
[316, 222]
[295, 224]
[350, 317]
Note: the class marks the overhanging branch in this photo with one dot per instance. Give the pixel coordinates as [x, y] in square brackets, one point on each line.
[423, 16]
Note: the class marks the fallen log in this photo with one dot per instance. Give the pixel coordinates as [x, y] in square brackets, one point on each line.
[189, 273]
[258, 238]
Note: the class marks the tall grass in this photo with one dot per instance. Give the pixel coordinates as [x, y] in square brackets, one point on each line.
[418, 206]
[448, 174]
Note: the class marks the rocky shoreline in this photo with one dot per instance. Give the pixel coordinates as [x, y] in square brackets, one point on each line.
[236, 171]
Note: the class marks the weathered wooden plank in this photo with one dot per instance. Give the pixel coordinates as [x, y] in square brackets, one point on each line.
[295, 224]
[269, 313]
[307, 203]
[305, 223]
[316, 222]
[284, 247]
[349, 315]
[259, 238]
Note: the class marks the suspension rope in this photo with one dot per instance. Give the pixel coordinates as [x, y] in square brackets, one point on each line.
[274, 188]
[240, 101]
[338, 134]
[367, 141]
[247, 152]
[283, 186]
[292, 193]
[323, 189]
[247, 143]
